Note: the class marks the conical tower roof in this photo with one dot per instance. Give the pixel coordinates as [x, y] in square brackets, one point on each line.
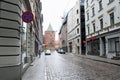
[50, 28]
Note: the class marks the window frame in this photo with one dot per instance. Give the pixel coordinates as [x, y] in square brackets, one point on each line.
[86, 3]
[100, 5]
[110, 1]
[77, 11]
[88, 29]
[77, 20]
[93, 11]
[94, 28]
[87, 15]
[77, 30]
[101, 23]
[112, 18]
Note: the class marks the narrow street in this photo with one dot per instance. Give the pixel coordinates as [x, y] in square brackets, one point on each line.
[69, 67]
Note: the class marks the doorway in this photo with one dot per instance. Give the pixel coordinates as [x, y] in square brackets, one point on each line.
[103, 46]
[117, 48]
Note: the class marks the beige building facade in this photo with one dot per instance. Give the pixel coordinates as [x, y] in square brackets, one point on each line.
[17, 38]
[76, 29]
[63, 35]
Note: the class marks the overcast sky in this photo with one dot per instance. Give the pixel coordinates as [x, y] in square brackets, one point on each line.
[53, 10]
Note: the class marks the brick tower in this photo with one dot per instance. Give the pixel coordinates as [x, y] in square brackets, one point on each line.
[49, 38]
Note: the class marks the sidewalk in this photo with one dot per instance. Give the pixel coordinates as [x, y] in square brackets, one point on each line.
[36, 71]
[98, 58]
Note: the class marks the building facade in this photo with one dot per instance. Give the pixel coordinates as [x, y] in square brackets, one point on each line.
[75, 29]
[82, 27]
[10, 46]
[17, 38]
[49, 38]
[103, 27]
[37, 7]
[41, 29]
[63, 35]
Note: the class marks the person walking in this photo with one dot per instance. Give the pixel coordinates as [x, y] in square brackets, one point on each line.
[39, 53]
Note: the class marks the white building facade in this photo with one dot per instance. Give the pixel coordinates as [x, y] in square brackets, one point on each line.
[73, 30]
[102, 22]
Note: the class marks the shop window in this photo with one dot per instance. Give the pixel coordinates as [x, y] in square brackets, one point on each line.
[114, 45]
[24, 43]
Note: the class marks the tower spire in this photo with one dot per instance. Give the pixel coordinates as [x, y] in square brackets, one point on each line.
[50, 28]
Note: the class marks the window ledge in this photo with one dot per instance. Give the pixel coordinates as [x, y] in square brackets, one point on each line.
[112, 26]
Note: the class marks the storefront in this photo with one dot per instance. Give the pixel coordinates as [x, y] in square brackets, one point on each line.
[113, 45]
[93, 46]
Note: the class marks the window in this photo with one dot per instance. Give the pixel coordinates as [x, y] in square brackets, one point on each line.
[88, 29]
[87, 3]
[77, 21]
[93, 11]
[78, 40]
[100, 5]
[94, 26]
[112, 18]
[77, 30]
[24, 43]
[113, 45]
[111, 1]
[87, 15]
[63, 42]
[101, 23]
[82, 1]
[77, 11]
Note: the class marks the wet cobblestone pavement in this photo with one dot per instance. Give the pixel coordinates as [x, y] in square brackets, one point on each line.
[69, 67]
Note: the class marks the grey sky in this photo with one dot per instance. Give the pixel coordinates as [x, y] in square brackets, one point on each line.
[53, 10]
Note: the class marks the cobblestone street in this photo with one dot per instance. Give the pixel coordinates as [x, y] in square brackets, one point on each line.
[68, 67]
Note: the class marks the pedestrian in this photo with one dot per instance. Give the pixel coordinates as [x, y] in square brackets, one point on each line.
[39, 53]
